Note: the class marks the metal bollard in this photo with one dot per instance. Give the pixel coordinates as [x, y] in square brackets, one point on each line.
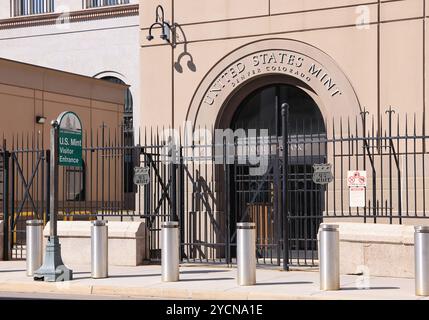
[329, 257]
[99, 249]
[170, 251]
[34, 238]
[421, 255]
[246, 253]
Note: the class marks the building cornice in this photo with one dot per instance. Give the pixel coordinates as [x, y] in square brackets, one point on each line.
[74, 16]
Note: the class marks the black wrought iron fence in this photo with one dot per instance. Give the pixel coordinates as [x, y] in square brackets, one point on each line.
[210, 185]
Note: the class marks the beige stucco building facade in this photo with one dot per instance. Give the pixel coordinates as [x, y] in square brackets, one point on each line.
[29, 91]
[30, 98]
[93, 38]
[348, 58]
[347, 54]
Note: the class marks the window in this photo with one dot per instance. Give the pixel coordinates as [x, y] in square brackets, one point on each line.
[28, 7]
[128, 136]
[128, 108]
[102, 3]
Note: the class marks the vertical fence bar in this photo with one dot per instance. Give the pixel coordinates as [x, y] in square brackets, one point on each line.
[227, 206]
[12, 201]
[285, 187]
[406, 166]
[6, 245]
[390, 146]
[173, 188]
[103, 156]
[364, 113]
[399, 173]
[423, 175]
[181, 204]
[415, 165]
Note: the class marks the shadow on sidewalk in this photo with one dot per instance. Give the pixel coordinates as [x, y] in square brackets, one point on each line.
[150, 274]
[203, 271]
[117, 276]
[1, 271]
[370, 288]
[282, 283]
[207, 279]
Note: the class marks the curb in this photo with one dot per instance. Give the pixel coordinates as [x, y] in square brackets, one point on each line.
[168, 293]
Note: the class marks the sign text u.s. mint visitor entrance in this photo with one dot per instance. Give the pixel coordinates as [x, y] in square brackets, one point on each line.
[66, 150]
[69, 140]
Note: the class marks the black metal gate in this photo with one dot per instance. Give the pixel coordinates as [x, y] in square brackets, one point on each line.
[28, 198]
[210, 192]
[155, 200]
[24, 194]
[257, 199]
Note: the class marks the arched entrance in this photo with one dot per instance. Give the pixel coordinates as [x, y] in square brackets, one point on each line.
[316, 88]
[258, 197]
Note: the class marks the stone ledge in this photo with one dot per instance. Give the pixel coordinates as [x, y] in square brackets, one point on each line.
[376, 233]
[127, 242]
[82, 229]
[376, 249]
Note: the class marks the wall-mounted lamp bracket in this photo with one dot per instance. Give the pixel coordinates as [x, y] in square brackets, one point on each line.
[166, 29]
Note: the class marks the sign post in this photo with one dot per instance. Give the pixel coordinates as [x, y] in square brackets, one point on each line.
[66, 150]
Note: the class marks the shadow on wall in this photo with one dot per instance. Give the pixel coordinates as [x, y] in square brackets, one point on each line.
[190, 63]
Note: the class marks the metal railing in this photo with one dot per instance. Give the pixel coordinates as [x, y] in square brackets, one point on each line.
[209, 193]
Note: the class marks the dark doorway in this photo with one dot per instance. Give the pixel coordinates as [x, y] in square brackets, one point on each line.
[261, 110]
[257, 198]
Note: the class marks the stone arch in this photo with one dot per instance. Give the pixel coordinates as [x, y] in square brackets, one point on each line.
[296, 61]
[115, 74]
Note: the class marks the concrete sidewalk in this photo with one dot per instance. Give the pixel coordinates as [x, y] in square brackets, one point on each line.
[203, 282]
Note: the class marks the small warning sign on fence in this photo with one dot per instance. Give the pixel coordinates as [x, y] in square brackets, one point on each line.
[357, 181]
[322, 173]
[356, 178]
[357, 197]
[141, 176]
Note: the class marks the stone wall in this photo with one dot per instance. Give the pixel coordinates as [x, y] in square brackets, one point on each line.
[378, 249]
[127, 241]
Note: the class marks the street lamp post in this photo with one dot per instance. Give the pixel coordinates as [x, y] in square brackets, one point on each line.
[53, 268]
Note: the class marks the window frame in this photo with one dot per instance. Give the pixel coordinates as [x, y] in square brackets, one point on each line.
[92, 4]
[22, 8]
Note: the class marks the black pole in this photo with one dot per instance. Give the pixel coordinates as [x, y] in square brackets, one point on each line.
[390, 111]
[285, 182]
[227, 208]
[182, 204]
[53, 188]
[174, 216]
[103, 125]
[6, 245]
[53, 268]
[48, 186]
